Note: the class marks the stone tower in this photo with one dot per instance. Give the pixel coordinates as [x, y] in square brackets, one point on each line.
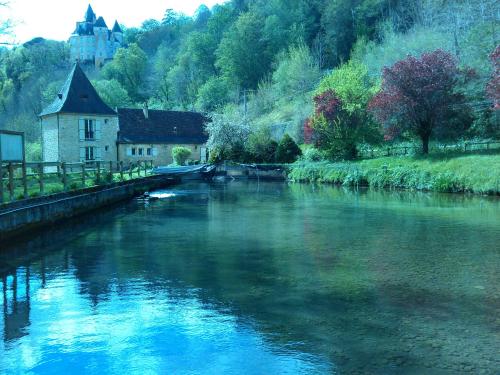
[93, 42]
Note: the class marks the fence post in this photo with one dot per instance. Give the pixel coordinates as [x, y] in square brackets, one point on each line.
[130, 170]
[65, 177]
[465, 146]
[25, 181]
[98, 164]
[11, 182]
[40, 178]
[120, 166]
[1, 183]
[83, 174]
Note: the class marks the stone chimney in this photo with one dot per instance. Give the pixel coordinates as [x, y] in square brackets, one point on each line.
[145, 109]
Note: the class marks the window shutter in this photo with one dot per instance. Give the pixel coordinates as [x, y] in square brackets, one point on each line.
[97, 130]
[155, 151]
[129, 151]
[81, 129]
[98, 153]
[82, 153]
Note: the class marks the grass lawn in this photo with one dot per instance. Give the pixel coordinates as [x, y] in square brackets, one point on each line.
[475, 173]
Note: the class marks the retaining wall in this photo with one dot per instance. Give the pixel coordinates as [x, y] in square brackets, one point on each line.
[19, 217]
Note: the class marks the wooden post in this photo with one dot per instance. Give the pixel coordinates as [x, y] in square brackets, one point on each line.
[1, 183]
[11, 182]
[40, 178]
[98, 172]
[83, 175]
[25, 181]
[120, 166]
[130, 170]
[65, 176]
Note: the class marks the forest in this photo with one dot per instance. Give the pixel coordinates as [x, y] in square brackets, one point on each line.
[328, 72]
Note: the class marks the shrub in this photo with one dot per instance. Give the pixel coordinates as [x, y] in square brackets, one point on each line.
[287, 151]
[261, 148]
[180, 154]
[313, 154]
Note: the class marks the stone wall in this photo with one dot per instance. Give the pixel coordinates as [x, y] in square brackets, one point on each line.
[50, 139]
[163, 155]
[24, 216]
[70, 143]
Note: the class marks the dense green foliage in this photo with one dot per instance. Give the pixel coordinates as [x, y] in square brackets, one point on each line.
[180, 155]
[261, 63]
[466, 173]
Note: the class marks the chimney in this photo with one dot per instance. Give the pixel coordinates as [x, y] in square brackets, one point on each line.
[146, 110]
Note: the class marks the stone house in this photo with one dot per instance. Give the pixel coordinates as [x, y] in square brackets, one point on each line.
[79, 127]
[92, 41]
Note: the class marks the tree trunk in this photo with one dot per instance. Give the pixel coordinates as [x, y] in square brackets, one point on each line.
[425, 143]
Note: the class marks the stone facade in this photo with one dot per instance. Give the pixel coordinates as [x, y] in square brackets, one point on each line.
[93, 42]
[160, 154]
[63, 140]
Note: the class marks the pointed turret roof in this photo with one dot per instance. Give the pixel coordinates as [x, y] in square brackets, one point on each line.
[117, 28]
[78, 96]
[100, 23]
[89, 14]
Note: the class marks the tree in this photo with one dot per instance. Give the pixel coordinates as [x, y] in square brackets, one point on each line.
[493, 88]
[128, 68]
[5, 26]
[112, 93]
[288, 151]
[419, 96]
[180, 154]
[227, 134]
[341, 120]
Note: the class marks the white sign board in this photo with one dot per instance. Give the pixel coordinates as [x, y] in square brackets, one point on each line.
[11, 147]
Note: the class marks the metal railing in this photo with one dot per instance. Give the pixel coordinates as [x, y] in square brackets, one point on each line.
[29, 179]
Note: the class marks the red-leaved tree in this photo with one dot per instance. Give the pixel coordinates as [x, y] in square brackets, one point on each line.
[493, 88]
[419, 97]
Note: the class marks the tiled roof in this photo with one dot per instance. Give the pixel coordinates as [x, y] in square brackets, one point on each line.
[117, 28]
[100, 23]
[170, 127]
[78, 96]
[89, 14]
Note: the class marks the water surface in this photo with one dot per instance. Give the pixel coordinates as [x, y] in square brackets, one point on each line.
[269, 278]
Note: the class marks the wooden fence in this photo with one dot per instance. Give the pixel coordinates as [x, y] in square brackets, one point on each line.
[414, 149]
[22, 180]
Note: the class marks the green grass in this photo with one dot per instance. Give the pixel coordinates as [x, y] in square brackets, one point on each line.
[441, 172]
[53, 184]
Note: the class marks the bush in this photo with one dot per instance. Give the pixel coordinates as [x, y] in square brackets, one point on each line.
[313, 154]
[180, 154]
[261, 148]
[287, 151]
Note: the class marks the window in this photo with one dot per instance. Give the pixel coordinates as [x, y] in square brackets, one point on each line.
[134, 151]
[90, 130]
[106, 148]
[149, 151]
[141, 151]
[90, 153]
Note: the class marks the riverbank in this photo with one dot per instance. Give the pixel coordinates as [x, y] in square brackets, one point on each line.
[23, 216]
[479, 174]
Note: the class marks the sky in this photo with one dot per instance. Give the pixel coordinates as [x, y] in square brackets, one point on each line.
[56, 19]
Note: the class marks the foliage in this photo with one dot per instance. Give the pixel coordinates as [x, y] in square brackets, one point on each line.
[180, 155]
[419, 96]
[468, 173]
[227, 133]
[113, 93]
[312, 154]
[493, 87]
[260, 147]
[129, 68]
[288, 151]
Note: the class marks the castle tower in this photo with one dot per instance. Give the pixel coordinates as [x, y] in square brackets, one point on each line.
[93, 42]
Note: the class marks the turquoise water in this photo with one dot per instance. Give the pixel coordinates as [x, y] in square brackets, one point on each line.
[269, 278]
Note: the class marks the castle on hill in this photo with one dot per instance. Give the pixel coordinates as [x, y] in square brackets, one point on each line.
[93, 42]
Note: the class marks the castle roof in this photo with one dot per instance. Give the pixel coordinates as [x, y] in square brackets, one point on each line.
[100, 23]
[78, 96]
[90, 15]
[84, 28]
[159, 127]
[117, 28]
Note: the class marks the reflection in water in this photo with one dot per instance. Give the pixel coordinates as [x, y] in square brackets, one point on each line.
[250, 278]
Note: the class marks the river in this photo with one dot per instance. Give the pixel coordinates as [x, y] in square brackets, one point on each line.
[259, 278]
